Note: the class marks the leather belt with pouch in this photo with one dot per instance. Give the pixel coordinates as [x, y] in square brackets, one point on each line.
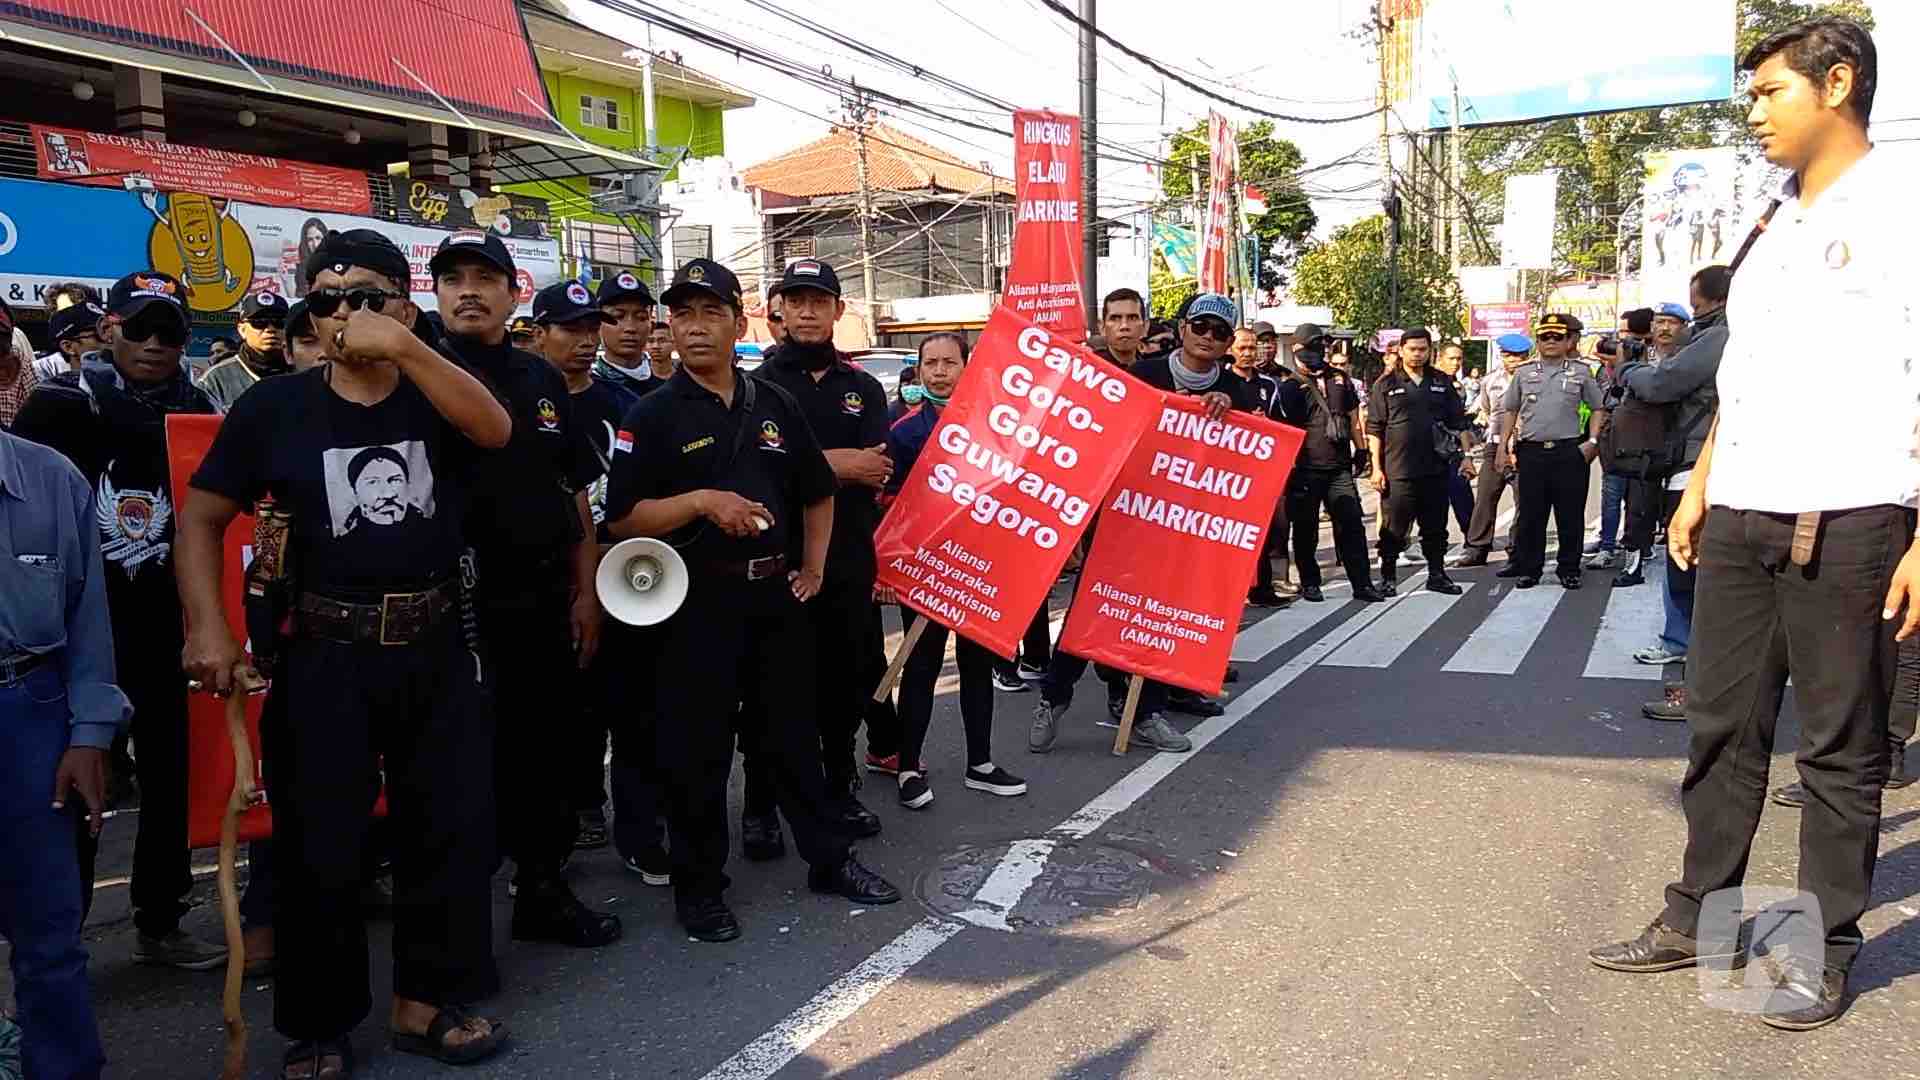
[15, 668]
[395, 619]
[1806, 532]
[750, 570]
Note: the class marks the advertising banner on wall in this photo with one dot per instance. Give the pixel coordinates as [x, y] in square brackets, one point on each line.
[1493, 320]
[443, 206]
[1043, 281]
[1690, 218]
[98, 158]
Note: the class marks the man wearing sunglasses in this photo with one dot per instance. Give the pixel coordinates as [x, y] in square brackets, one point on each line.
[109, 418]
[263, 318]
[75, 330]
[1550, 451]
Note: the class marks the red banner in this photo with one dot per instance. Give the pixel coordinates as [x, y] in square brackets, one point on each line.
[1225, 157]
[1493, 320]
[1043, 282]
[1197, 495]
[103, 160]
[1035, 434]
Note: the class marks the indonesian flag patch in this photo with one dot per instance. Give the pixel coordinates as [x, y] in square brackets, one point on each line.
[623, 442]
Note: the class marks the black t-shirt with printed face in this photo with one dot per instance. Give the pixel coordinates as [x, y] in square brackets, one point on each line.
[375, 490]
[847, 410]
[682, 438]
[599, 410]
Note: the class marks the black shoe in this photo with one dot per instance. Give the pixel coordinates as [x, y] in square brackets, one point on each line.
[1441, 583]
[1806, 997]
[1312, 594]
[1627, 579]
[591, 831]
[1367, 594]
[1792, 796]
[1233, 674]
[652, 864]
[1009, 682]
[1570, 581]
[857, 820]
[1658, 948]
[914, 792]
[1527, 581]
[1189, 703]
[708, 919]
[760, 840]
[1266, 598]
[1473, 557]
[1387, 587]
[1510, 571]
[852, 881]
[1897, 774]
[550, 912]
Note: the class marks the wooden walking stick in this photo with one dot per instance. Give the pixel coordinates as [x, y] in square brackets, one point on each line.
[245, 683]
[899, 661]
[1126, 716]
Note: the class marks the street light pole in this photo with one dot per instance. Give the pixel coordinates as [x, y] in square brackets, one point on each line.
[1620, 250]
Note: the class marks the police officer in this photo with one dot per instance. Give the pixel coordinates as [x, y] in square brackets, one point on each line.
[847, 410]
[1412, 408]
[1325, 404]
[727, 469]
[532, 536]
[1495, 477]
[1550, 451]
[263, 353]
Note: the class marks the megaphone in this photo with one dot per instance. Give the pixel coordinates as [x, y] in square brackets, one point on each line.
[641, 581]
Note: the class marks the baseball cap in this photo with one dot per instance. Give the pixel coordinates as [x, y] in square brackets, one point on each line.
[74, 320]
[299, 321]
[521, 324]
[625, 285]
[808, 274]
[359, 247]
[565, 302]
[144, 288]
[1308, 332]
[272, 304]
[1673, 311]
[1559, 321]
[1514, 344]
[705, 275]
[481, 244]
[1264, 329]
[1214, 305]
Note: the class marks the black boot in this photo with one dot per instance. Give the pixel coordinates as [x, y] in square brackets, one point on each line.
[1389, 572]
[760, 837]
[1897, 774]
[548, 911]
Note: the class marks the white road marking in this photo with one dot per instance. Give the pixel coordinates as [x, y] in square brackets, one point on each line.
[1502, 640]
[1632, 621]
[1017, 870]
[1380, 644]
[1256, 642]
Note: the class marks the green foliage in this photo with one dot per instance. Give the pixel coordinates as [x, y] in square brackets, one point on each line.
[1348, 273]
[1167, 293]
[1269, 163]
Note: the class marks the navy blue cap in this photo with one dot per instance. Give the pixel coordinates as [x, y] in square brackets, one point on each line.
[138, 291]
[808, 274]
[74, 320]
[298, 318]
[705, 275]
[482, 244]
[565, 302]
[272, 303]
[625, 285]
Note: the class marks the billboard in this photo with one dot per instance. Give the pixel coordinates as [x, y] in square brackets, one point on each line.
[1690, 218]
[1519, 60]
[1526, 236]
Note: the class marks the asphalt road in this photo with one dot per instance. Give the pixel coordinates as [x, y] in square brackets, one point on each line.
[1387, 859]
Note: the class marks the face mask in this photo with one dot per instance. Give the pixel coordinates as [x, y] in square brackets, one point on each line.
[912, 394]
[810, 357]
[1313, 360]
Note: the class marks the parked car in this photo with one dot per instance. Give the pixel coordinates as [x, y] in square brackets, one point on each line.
[748, 355]
[885, 365]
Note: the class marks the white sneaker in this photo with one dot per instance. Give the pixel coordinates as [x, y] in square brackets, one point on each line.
[1600, 559]
[1658, 654]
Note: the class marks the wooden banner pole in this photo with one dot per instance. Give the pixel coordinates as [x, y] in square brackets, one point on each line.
[899, 661]
[1126, 715]
[245, 683]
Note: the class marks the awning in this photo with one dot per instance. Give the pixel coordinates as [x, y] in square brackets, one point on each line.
[531, 143]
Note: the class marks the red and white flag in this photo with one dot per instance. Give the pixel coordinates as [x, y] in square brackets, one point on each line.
[1214, 246]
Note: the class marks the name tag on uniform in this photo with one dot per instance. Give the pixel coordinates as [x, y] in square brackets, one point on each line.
[697, 444]
[35, 560]
[1399, 390]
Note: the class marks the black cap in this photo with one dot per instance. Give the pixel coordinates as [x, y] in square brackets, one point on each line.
[271, 303]
[808, 274]
[297, 317]
[705, 275]
[625, 285]
[521, 324]
[482, 244]
[1307, 333]
[565, 302]
[360, 247]
[1559, 321]
[74, 320]
[138, 291]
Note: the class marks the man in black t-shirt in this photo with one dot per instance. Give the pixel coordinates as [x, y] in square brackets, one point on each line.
[1325, 404]
[1412, 408]
[373, 675]
[628, 326]
[726, 468]
[532, 536]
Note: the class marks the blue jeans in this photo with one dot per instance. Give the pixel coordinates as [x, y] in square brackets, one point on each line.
[40, 884]
[1613, 491]
[1677, 598]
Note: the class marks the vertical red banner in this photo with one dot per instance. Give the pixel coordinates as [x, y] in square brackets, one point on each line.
[1043, 282]
[1035, 434]
[1179, 540]
[1214, 251]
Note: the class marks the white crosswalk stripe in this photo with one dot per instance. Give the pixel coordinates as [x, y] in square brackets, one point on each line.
[1382, 642]
[1255, 642]
[1502, 641]
[1632, 621]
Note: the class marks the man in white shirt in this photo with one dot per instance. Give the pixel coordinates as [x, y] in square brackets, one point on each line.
[1803, 565]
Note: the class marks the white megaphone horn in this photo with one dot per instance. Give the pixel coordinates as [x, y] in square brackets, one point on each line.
[641, 582]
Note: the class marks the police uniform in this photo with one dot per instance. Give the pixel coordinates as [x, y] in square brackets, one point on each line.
[523, 526]
[1553, 471]
[1407, 416]
[740, 640]
[846, 408]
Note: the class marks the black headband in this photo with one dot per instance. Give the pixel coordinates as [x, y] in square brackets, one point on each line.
[359, 247]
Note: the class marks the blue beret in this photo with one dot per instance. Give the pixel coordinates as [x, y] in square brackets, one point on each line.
[1674, 311]
[1517, 344]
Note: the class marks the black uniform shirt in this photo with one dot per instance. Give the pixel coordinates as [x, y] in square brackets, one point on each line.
[1402, 413]
[1154, 371]
[847, 410]
[683, 438]
[600, 408]
[1297, 405]
[523, 492]
[376, 491]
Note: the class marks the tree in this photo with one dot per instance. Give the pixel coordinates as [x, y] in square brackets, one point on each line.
[1269, 163]
[1348, 273]
[1166, 293]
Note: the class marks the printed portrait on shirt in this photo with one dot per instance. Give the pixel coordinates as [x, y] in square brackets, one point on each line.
[378, 487]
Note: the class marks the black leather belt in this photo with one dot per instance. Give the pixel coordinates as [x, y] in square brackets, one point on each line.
[15, 668]
[395, 619]
[751, 570]
[1547, 444]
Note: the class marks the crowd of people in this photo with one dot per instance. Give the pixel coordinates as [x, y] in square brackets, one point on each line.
[443, 485]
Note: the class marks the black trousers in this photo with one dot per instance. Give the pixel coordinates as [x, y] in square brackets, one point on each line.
[526, 626]
[1492, 482]
[1309, 489]
[917, 681]
[1275, 545]
[1422, 499]
[1646, 509]
[1550, 480]
[737, 648]
[1757, 620]
[150, 675]
[1065, 670]
[1905, 710]
[1036, 646]
[423, 714]
[839, 619]
[620, 695]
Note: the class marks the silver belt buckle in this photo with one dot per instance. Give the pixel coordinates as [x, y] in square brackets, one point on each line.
[763, 567]
[1549, 444]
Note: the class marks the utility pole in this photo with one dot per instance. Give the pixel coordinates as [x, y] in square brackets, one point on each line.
[988, 239]
[860, 116]
[1089, 164]
[1389, 200]
[1456, 200]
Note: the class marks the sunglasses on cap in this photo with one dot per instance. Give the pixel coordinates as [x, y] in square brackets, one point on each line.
[1208, 326]
[322, 303]
[156, 322]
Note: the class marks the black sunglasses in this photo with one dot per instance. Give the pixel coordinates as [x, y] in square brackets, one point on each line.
[324, 302]
[170, 330]
[1551, 337]
[1213, 328]
[265, 322]
[776, 319]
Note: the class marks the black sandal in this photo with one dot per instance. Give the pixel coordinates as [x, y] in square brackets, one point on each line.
[433, 1044]
[314, 1053]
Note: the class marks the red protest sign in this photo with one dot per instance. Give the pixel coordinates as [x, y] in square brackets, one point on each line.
[1043, 282]
[95, 157]
[1033, 437]
[1225, 155]
[1195, 494]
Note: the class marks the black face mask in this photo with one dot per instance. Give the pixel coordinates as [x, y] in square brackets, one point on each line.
[809, 357]
[1313, 360]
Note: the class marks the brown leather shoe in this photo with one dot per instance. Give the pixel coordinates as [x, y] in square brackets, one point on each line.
[1658, 948]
